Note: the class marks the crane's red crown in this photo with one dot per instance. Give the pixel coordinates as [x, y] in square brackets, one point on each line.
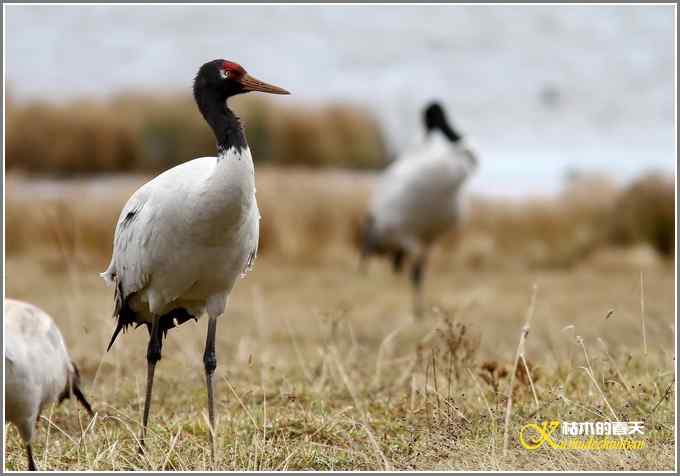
[235, 70]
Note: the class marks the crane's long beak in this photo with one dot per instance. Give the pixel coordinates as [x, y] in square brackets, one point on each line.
[251, 84]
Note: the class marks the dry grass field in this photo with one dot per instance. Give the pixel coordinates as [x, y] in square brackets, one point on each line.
[323, 368]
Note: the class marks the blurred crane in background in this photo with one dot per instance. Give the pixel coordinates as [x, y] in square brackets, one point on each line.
[418, 199]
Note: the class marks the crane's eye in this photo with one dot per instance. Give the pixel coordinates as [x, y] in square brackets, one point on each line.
[224, 73]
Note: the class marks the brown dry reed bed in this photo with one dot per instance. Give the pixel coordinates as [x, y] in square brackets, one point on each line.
[133, 132]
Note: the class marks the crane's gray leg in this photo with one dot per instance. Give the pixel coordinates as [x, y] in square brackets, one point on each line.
[417, 275]
[31, 462]
[153, 355]
[210, 364]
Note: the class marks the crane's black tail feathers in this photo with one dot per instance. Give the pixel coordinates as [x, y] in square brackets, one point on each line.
[122, 312]
[126, 317]
[73, 388]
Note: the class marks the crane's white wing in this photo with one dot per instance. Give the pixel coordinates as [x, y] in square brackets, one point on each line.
[188, 233]
[150, 226]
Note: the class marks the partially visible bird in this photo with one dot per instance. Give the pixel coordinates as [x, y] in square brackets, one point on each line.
[418, 198]
[184, 238]
[38, 369]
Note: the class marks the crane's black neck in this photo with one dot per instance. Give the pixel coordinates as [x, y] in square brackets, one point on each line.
[446, 129]
[224, 123]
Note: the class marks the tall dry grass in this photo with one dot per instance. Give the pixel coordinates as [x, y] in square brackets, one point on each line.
[152, 133]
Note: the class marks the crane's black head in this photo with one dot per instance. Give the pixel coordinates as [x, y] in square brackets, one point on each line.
[225, 79]
[217, 81]
[435, 118]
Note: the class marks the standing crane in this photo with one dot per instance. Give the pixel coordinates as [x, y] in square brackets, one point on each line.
[183, 238]
[418, 198]
[38, 369]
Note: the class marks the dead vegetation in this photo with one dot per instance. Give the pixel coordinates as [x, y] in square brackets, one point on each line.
[333, 373]
[135, 133]
[645, 212]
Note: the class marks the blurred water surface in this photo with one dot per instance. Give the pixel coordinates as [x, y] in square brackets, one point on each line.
[538, 90]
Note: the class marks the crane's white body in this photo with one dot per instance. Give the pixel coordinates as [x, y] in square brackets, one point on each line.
[418, 197]
[192, 231]
[184, 238]
[37, 364]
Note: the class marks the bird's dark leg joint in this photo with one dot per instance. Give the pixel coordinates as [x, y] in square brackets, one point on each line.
[153, 352]
[210, 361]
[153, 355]
[209, 358]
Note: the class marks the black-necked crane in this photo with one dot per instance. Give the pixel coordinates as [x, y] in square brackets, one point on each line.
[183, 238]
[38, 369]
[418, 198]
